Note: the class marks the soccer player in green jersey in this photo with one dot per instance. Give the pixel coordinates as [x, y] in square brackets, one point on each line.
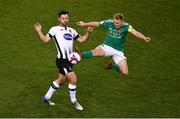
[114, 41]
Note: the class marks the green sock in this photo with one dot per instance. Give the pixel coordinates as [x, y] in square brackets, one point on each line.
[87, 54]
[115, 68]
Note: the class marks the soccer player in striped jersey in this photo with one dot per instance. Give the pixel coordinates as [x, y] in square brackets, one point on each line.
[63, 37]
[114, 41]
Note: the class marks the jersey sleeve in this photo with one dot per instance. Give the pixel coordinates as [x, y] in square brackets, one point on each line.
[130, 28]
[75, 34]
[51, 32]
[105, 24]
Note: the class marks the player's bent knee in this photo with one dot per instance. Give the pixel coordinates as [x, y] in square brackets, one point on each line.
[73, 81]
[95, 53]
[98, 52]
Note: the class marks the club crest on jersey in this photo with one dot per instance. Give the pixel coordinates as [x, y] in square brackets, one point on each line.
[67, 36]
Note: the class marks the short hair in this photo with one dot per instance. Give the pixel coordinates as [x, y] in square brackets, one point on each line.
[119, 16]
[63, 12]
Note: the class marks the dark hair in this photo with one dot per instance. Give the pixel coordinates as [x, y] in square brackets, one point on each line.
[62, 12]
[119, 16]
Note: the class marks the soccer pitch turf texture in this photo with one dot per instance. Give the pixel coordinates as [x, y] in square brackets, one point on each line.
[27, 66]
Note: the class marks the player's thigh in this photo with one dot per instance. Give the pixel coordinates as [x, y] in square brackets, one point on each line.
[98, 51]
[118, 56]
[71, 76]
[108, 50]
[123, 66]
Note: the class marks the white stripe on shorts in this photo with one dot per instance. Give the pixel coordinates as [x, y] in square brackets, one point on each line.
[65, 70]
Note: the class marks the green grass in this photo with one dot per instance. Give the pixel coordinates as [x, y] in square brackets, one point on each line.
[27, 67]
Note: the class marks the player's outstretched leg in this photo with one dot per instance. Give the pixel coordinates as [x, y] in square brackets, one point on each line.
[87, 54]
[98, 51]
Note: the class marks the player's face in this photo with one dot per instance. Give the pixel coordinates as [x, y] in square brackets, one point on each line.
[118, 22]
[64, 19]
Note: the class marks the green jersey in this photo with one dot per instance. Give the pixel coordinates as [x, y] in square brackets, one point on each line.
[115, 38]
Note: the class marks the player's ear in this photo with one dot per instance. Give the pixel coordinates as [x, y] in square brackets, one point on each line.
[59, 19]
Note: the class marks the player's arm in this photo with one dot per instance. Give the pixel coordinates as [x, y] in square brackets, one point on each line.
[92, 24]
[44, 38]
[139, 35]
[83, 38]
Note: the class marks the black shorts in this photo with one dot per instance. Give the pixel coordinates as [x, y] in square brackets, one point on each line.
[64, 66]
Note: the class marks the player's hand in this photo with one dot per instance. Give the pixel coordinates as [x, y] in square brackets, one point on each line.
[147, 39]
[90, 29]
[37, 26]
[80, 23]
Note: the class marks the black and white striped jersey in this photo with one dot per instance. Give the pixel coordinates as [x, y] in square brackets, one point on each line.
[63, 38]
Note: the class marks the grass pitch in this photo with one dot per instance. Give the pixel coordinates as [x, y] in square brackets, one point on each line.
[27, 67]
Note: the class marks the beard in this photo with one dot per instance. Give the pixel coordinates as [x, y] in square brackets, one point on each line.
[64, 23]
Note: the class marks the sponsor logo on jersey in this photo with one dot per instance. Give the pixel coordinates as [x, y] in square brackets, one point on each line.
[67, 36]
